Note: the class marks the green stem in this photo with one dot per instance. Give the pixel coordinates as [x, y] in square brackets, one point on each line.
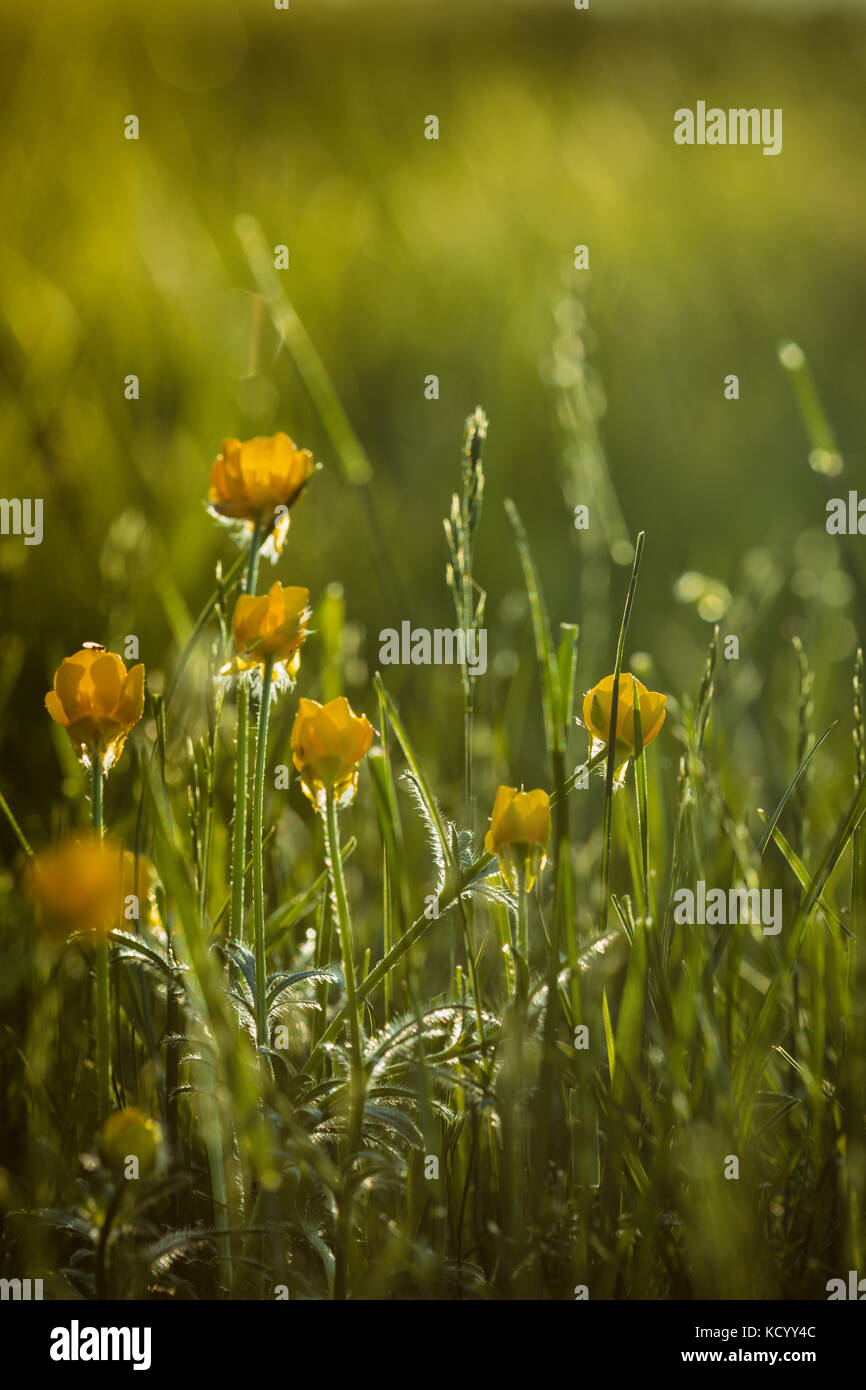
[102, 1243]
[242, 763]
[522, 964]
[468, 714]
[239, 819]
[347, 951]
[262, 1034]
[522, 918]
[103, 1005]
[213, 1138]
[253, 557]
[356, 1113]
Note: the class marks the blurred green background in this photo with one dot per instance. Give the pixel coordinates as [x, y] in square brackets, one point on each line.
[453, 257]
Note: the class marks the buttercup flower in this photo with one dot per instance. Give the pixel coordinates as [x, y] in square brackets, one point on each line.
[596, 716]
[273, 625]
[249, 481]
[126, 1134]
[83, 885]
[328, 743]
[97, 701]
[519, 832]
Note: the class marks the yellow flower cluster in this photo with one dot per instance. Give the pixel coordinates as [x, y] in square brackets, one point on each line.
[252, 481]
[520, 824]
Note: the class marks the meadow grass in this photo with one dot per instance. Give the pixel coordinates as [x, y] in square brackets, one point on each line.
[399, 1102]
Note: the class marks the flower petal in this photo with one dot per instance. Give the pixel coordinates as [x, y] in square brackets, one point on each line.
[67, 683]
[56, 710]
[107, 674]
[130, 707]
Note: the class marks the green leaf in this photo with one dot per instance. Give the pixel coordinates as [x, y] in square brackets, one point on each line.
[430, 807]
[773, 820]
[608, 1034]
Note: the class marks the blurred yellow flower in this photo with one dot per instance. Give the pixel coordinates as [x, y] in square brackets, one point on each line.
[273, 625]
[328, 743]
[84, 885]
[97, 701]
[596, 716]
[249, 480]
[519, 832]
[129, 1133]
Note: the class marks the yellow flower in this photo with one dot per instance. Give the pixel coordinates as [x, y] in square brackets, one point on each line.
[126, 1134]
[328, 743]
[248, 481]
[273, 625]
[596, 717]
[97, 701]
[83, 884]
[519, 831]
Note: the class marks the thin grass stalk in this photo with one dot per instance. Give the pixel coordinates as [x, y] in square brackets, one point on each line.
[469, 614]
[224, 585]
[611, 742]
[210, 750]
[501, 917]
[641, 798]
[564, 924]
[15, 827]
[565, 917]
[511, 1087]
[687, 793]
[854, 1069]
[387, 927]
[394, 842]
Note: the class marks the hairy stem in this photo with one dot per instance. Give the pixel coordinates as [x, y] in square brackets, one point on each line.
[103, 1004]
[262, 1035]
[239, 818]
[356, 1113]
